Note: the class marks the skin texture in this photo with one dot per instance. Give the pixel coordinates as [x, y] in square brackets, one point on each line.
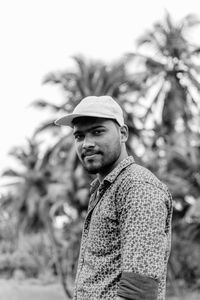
[100, 144]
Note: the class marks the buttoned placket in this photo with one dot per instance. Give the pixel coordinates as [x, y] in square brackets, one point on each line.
[94, 201]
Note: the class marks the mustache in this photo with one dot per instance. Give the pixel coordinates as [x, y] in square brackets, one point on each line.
[89, 152]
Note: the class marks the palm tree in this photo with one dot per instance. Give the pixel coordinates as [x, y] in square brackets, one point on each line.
[170, 74]
[36, 198]
[171, 86]
[170, 71]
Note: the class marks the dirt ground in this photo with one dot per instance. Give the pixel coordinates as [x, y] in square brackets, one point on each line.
[32, 290]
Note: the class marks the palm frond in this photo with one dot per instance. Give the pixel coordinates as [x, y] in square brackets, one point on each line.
[196, 51]
[12, 173]
[40, 103]
[65, 141]
[169, 22]
[194, 81]
[156, 98]
[145, 58]
[53, 77]
[189, 21]
[154, 39]
[48, 125]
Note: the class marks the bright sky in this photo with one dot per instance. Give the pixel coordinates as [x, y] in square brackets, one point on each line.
[38, 36]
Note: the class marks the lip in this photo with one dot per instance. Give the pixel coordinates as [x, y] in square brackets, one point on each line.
[90, 156]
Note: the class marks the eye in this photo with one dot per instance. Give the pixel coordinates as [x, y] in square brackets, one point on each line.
[98, 131]
[78, 137]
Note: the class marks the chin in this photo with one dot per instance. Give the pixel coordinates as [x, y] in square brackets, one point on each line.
[92, 170]
[92, 167]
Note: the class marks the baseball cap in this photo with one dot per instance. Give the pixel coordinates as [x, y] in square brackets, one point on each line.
[93, 106]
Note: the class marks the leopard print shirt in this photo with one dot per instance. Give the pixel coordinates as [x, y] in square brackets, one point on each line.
[127, 229]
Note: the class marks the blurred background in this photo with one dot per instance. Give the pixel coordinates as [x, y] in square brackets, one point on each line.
[53, 53]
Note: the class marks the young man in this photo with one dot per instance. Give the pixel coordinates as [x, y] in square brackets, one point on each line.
[126, 236]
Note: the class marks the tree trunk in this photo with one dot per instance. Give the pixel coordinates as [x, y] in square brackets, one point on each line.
[56, 248]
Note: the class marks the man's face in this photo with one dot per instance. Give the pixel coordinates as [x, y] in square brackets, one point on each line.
[98, 143]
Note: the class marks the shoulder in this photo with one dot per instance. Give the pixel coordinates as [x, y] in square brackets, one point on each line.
[138, 177]
[137, 174]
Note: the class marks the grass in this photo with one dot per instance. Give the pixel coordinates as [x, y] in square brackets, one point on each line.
[34, 290]
[30, 290]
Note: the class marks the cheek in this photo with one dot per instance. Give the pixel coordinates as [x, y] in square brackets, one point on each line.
[78, 148]
[112, 147]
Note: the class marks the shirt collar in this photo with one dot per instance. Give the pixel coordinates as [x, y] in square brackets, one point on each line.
[113, 174]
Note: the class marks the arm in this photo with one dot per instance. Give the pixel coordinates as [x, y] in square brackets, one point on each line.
[143, 215]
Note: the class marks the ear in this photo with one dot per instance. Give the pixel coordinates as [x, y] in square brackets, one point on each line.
[124, 133]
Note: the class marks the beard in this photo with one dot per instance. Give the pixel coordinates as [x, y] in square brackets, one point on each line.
[100, 163]
[92, 163]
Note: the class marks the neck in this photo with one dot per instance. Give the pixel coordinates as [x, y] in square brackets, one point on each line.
[122, 156]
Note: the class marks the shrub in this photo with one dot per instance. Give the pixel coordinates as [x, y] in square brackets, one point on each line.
[185, 258]
[33, 256]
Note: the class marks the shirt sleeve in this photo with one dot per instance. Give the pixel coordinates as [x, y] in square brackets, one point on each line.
[142, 220]
[137, 287]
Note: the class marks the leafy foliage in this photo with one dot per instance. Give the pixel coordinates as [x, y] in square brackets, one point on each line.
[51, 182]
[172, 79]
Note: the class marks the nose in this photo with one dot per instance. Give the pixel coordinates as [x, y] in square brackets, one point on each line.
[88, 143]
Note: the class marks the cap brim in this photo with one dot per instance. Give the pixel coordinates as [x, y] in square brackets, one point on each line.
[68, 119]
